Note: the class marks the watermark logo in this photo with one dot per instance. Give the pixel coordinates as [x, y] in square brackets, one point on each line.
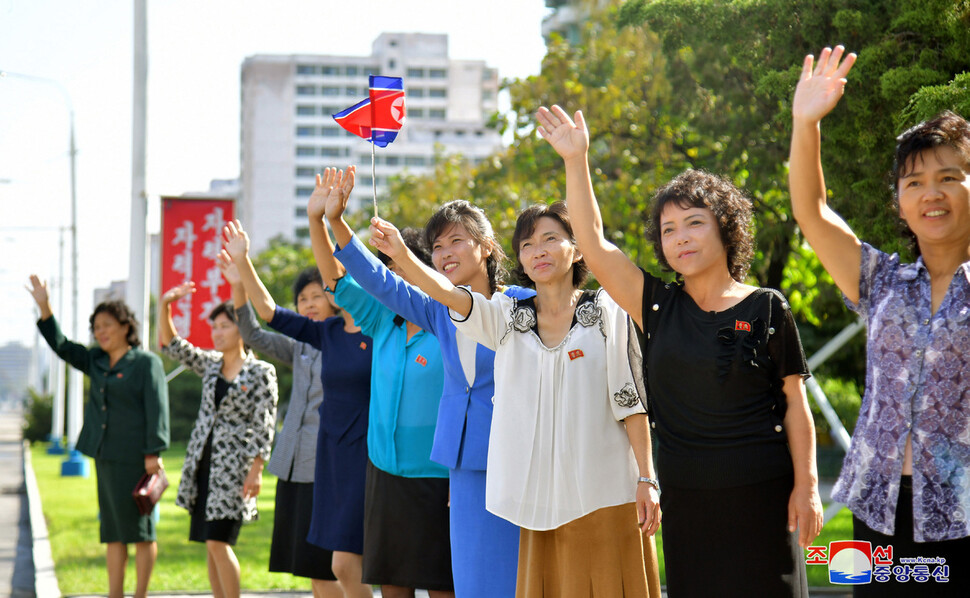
[852, 562]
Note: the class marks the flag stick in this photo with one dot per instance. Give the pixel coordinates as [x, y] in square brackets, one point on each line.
[373, 173]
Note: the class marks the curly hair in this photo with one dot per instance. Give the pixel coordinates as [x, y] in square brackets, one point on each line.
[946, 129]
[119, 310]
[732, 209]
[474, 221]
[525, 225]
[414, 240]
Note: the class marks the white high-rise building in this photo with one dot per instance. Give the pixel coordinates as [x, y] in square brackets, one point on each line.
[289, 135]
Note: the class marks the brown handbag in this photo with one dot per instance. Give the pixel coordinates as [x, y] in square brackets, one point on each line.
[149, 490]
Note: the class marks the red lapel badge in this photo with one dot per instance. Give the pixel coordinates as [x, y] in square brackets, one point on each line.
[363, 346]
[420, 359]
[739, 325]
[575, 354]
[120, 375]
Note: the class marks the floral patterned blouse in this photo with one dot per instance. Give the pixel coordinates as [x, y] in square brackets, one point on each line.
[917, 381]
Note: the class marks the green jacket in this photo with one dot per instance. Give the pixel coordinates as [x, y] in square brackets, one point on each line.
[126, 414]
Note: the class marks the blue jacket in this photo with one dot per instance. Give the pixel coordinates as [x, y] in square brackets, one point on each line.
[465, 411]
[405, 387]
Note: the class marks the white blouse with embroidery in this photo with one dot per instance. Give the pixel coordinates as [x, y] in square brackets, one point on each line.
[558, 448]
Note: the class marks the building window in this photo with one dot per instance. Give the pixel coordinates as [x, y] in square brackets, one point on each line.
[306, 110]
[304, 191]
[392, 160]
[415, 161]
[488, 94]
[329, 90]
[459, 133]
[300, 212]
[306, 151]
[391, 64]
[306, 69]
[479, 133]
[437, 93]
[306, 90]
[331, 70]
[489, 74]
[365, 180]
[351, 71]
[436, 113]
[306, 131]
[325, 110]
[413, 72]
[304, 171]
[348, 134]
[330, 131]
[330, 151]
[416, 112]
[302, 232]
[438, 73]
[351, 91]
[417, 92]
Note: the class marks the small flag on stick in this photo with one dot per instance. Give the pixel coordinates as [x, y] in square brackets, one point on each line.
[377, 118]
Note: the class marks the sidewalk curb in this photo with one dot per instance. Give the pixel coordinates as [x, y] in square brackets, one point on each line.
[45, 581]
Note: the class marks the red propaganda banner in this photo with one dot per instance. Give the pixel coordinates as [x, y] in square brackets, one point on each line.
[191, 241]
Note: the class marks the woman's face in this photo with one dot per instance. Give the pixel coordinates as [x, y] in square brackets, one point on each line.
[458, 256]
[225, 334]
[691, 240]
[312, 302]
[109, 333]
[548, 254]
[934, 197]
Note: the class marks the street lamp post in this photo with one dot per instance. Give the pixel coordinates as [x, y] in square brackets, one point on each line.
[75, 464]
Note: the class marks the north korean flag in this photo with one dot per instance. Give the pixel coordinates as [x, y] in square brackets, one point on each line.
[379, 117]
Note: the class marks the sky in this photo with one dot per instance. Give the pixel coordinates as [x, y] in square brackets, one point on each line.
[195, 50]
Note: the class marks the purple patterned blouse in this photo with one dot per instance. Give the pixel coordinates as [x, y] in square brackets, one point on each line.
[917, 380]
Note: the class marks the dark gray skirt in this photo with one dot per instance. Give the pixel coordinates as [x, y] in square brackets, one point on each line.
[407, 537]
[730, 542]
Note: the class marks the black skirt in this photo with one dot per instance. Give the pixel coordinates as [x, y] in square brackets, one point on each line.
[407, 535]
[730, 542]
[956, 553]
[290, 552]
[200, 530]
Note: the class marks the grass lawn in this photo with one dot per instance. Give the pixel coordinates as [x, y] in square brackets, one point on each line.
[71, 510]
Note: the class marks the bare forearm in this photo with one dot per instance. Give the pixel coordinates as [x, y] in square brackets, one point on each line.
[801, 438]
[45, 310]
[166, 327]
[639, 435]
[341, 231]
[261, 299]
[330, 268]
[582, 205]
[806, 179]
[239, 296]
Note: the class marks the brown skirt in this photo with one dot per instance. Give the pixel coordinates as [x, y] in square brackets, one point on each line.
[600, 554]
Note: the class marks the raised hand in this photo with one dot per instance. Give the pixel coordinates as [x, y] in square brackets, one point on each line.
[329, 197]
[38, 290]
[820, 88]
[569, 139]
[236, 240]
[176, 293]
[386, 238]
[228, 267]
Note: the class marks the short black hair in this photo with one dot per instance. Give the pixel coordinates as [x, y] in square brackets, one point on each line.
[223, 308]
[306, 277]
[946, 129]
[525, 225]
[119, 310]
[731, 208]
[414, 240]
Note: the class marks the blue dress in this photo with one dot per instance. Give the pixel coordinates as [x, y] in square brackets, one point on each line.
[337, 523]
[484, 548]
